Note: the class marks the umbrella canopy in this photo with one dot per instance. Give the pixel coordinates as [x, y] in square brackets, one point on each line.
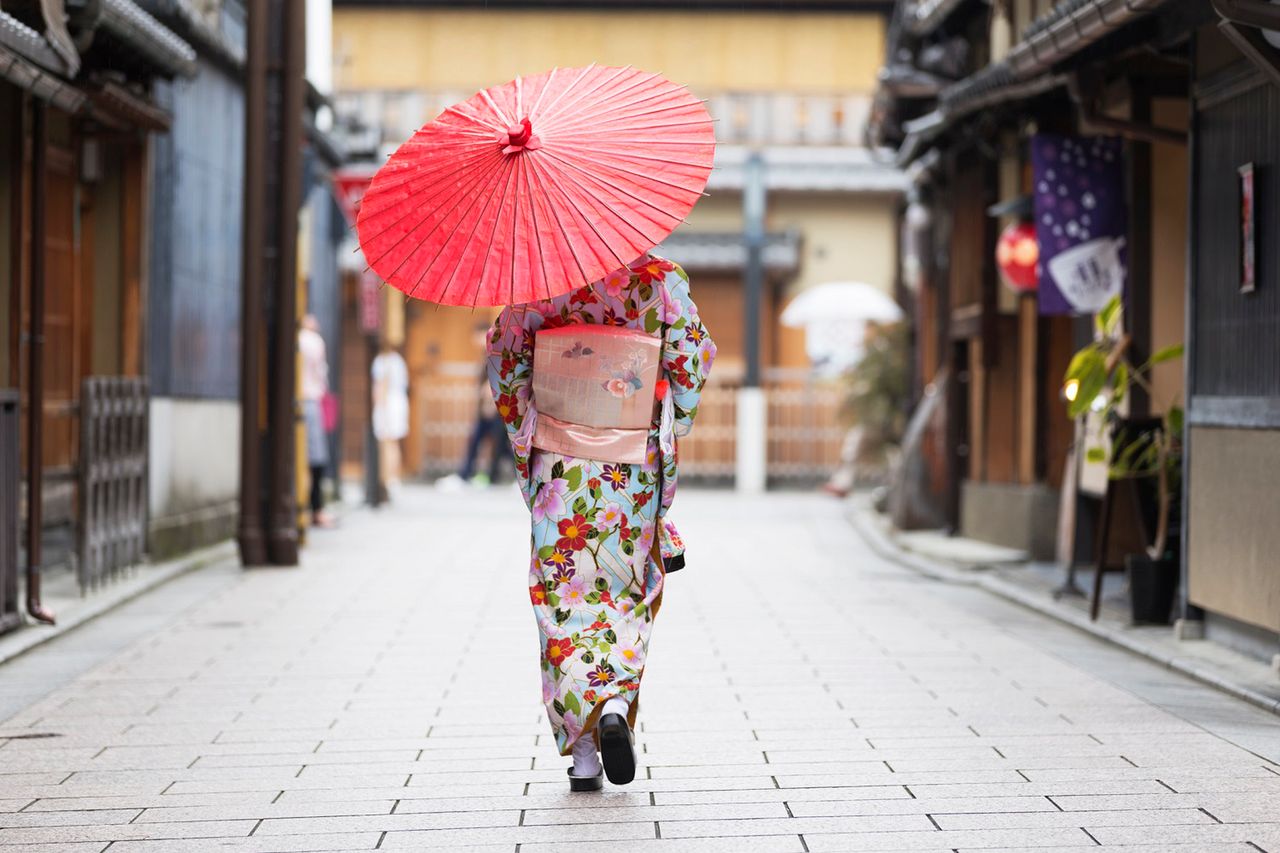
[834, 318]
[537, 187]
[841, 301]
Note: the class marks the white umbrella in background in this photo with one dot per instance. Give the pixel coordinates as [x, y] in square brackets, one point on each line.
[835, 317]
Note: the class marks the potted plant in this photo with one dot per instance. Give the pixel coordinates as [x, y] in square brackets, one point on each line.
[875, 405]
[1100, 380]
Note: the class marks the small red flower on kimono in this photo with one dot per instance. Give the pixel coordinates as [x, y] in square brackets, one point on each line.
[641, 499]
[629, 684]
[573, 533]
[558, 651]
[589, 696]
[679, 372]
[584, 295]
[599, 626]
[507, 408]
[601, 675]
[616, 475]
[653, 269]
[593, 483]
[538, 594]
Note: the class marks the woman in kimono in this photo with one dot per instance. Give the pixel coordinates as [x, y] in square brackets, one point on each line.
[600, 536]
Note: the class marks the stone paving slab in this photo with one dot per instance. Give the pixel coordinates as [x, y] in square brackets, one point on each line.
[803, 695]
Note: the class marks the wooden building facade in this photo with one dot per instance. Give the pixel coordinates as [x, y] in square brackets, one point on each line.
[78, 117]
[1191, 90]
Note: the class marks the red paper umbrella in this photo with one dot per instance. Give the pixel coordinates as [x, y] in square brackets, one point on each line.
[537, 187]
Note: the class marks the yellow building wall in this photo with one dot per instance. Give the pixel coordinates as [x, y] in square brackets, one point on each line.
[711, 52]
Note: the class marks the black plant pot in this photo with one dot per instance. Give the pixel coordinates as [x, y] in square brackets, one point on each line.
[1152, 587]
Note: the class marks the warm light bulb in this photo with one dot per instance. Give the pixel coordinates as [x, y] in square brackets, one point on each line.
[1071, 390]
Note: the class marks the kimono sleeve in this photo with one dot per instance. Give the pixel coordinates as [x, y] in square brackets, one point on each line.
[510, 366]
[689, 350]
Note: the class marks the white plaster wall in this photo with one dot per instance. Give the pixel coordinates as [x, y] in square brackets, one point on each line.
[195, 454]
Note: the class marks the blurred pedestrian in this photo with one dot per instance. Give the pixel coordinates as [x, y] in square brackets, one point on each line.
[487, 431]
[390, 377]
[313, 386]
[619, 372]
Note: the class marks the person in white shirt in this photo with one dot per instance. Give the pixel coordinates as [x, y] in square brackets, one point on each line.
[390, 377]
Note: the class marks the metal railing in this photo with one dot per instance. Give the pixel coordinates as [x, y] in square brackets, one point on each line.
[113, 477]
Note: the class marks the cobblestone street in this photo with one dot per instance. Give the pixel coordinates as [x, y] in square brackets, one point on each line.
[801, 695]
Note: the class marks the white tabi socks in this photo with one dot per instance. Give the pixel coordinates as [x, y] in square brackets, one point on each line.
[616, 705]
[586, 759]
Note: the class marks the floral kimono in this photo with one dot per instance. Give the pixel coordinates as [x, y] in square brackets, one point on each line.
[593, 578]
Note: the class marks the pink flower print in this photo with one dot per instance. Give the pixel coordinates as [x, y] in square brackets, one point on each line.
[631, 653]
[616, 282]
[612, 516]
[540, 469]
[670, 310]
[549, 503]
[645, 542]
[618, 387]
[548, 686]
[573, 593]
[674, 536]
[572, 726]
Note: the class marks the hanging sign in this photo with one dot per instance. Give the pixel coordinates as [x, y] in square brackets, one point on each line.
[349, 186]
[1080, 221]
[370, 307]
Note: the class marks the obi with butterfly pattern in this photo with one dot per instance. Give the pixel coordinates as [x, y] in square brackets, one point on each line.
[594, 387]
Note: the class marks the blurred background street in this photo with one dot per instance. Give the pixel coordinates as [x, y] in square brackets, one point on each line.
[386, 696]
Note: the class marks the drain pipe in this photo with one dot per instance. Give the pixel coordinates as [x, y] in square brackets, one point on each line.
[35, 375]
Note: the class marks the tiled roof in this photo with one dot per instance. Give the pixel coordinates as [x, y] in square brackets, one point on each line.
[28, 43]
[810, 168]
[727, 251]
[125, 20]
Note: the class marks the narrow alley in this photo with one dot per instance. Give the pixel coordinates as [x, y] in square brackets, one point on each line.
[801, 695]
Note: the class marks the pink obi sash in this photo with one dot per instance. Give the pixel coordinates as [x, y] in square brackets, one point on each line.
[594, 388]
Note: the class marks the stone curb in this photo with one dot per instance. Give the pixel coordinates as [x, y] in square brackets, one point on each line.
[31, 634]
[858, 513]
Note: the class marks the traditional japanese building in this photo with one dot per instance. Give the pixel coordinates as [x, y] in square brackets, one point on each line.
[77, 93]
[1187, 91]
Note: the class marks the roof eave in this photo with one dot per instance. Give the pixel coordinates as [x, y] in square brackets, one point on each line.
[156, 43]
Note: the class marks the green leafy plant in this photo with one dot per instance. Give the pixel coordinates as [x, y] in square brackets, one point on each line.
[879, 387]
[1100, 379]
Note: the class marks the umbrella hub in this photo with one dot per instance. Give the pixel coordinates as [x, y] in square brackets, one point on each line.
[519, 137]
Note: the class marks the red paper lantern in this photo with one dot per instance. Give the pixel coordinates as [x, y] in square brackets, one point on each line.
[1017, 254]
